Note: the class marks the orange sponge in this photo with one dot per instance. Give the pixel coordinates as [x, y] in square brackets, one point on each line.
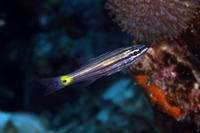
[158, 95]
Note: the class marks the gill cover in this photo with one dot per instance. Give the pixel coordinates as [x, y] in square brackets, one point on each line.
[55, 83]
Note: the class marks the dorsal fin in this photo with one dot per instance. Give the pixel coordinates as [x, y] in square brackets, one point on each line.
[82, 61]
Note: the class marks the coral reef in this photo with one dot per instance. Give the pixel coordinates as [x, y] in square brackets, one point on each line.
[151, 20]
[173, 79]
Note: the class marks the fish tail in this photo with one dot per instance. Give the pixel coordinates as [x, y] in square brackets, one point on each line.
[55, 83]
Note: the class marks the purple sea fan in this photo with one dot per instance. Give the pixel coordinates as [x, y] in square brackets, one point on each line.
[151, 20]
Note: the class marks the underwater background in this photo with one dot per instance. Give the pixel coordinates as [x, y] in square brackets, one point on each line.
[43, 38]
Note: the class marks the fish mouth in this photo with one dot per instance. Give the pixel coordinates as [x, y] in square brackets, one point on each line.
[143, 49]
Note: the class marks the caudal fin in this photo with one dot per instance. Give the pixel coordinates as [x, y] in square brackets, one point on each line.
[52, 84]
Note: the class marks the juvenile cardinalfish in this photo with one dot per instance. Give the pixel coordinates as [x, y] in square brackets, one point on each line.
[104, 65]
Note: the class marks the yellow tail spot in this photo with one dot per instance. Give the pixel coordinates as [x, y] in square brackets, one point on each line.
[65, 80]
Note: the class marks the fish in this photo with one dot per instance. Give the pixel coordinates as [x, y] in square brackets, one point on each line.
[103, 65]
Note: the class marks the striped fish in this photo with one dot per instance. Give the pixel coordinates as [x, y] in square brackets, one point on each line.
[103, 65]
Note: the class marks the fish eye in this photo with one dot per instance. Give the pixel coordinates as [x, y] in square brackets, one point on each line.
[135, 53]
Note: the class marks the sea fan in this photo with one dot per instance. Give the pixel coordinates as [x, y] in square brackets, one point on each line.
[151, 20]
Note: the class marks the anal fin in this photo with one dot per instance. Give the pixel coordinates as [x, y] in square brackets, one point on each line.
[89, 81]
